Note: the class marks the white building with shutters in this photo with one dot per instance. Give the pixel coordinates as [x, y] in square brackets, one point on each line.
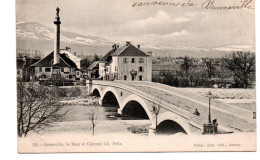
[128, 63]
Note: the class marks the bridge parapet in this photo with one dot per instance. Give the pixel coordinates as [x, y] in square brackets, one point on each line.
[180, 104]
[144, 95]
[146, 100]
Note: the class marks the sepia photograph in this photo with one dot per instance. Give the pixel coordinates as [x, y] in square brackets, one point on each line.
[135, 76]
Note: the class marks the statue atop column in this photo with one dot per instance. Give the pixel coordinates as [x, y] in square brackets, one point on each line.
[57, 11]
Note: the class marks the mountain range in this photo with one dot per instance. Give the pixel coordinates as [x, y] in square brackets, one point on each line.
[35, 36]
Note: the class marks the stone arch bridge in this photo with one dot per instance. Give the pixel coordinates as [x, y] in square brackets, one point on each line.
[176, 106]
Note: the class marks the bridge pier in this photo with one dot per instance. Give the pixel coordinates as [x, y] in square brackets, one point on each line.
[119, 111]
[89, 85]
[100, 101]
[152, 131]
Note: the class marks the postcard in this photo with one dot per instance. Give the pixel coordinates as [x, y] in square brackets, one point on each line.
[135, 75]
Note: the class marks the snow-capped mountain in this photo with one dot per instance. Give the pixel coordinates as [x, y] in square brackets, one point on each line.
[34, 36]
[36, 31]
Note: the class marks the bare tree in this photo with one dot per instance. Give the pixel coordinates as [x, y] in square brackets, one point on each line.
[210, 68]
[94, 120]
[186, 66]
[242, 64]
[37, 108]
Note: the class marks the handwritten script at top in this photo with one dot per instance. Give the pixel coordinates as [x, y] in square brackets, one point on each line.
[206, 4]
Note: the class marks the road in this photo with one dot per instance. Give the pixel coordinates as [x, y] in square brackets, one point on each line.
[228, 116]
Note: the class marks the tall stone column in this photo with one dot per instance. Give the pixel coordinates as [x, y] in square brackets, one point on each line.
[56, 58]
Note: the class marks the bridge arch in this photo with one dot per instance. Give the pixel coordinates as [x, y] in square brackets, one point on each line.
[110, 97]
[96, 93]
[96, 89]
[134, 109]
[172, 122]
[143, 104]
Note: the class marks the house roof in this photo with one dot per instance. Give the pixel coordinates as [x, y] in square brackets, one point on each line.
[108, 56]
[93, 65]
[71, 56]
[23, 64]
[129, 50]
[47, 61]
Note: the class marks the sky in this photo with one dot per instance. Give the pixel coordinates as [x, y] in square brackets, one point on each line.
[117, 20]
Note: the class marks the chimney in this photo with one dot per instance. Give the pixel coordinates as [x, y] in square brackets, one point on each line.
[114, 46]
[68, 49]
[150, 53]
[138, 46]
[127, 43]
[56, 56]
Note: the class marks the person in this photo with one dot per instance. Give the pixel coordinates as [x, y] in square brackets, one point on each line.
[196, 112]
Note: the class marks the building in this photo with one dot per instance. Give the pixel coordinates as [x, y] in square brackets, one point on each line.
[22, 64]
[44, 68]
[128, 63]
[60, 64]
[93, 70]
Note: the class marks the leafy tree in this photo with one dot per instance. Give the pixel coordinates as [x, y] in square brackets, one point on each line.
[96, 58]
[242, 64]
[85, 63]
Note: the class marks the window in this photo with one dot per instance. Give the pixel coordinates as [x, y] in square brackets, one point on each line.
[133, 60]
[43, 76]
[70, 76]
[40, 69]
[62, 69]
[133, 78]
[77, 73]
[66, 69]
[125, 77]
[48, 69]
[140, 69]
[140, 78]
[141, 60]
[125, 60]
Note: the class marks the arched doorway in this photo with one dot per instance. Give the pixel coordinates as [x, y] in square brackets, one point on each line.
[134, 109]
[169, 127]
[96, 93]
